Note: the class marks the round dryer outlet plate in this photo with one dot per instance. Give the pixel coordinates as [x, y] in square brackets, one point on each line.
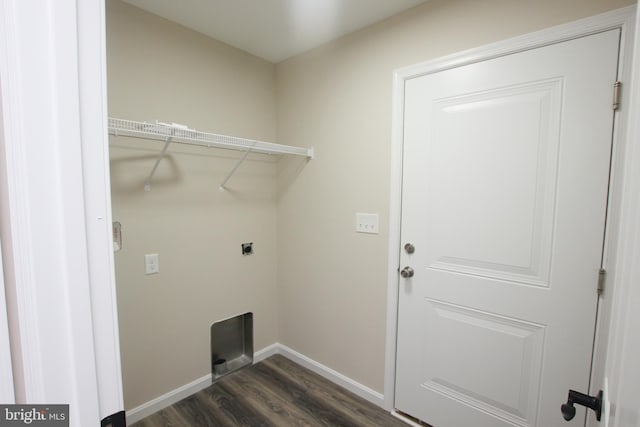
[247, 248]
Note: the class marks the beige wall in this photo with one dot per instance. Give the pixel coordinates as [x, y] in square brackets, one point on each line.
[314, 284]
[159, 70]
[332, 281]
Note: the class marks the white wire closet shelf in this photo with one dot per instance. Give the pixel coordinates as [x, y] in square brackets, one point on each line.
[173, 132]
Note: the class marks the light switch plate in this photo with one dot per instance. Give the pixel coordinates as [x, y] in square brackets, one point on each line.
[151, 264]
[367, 223]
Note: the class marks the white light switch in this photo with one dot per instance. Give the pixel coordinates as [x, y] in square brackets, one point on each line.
[151, 264]
[367, 223]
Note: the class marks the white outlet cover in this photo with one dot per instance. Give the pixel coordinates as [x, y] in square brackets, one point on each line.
[367, 223]
[151, 264]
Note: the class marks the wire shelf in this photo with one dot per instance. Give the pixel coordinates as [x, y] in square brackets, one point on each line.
[173, 132]
[183, 134]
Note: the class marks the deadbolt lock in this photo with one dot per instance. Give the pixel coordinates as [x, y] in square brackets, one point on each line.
[409, 248]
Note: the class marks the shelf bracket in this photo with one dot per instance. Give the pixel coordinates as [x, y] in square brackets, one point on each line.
[230, 174]
[147, 183]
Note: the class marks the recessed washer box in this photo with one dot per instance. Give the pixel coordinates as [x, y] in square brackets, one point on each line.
[231, 345]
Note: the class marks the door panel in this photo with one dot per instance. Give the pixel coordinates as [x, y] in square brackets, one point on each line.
[501, 377]
[505, 180]
[508, 237]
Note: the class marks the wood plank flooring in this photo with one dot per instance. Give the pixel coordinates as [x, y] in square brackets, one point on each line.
[275, 392]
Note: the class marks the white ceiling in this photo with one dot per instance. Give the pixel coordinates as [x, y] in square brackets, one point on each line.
[275, 29]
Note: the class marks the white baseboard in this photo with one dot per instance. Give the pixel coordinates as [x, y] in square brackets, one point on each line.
[333, 376]
[167, 399]
[174, 396]
[266, 352]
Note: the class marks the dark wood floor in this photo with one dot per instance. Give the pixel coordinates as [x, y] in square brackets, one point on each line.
[275, 392]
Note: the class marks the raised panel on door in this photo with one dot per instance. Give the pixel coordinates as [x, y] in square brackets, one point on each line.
[505, 179]
[502, 376]
[491, 181]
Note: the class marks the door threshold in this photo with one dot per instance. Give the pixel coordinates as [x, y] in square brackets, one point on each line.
[408, 419]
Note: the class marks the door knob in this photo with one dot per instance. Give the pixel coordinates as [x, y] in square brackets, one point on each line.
[591, 402]
[406, 272]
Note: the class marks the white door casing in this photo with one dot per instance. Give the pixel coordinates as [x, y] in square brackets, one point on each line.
[7, 393]
[622, 359]
[52, 63]
[504, 198]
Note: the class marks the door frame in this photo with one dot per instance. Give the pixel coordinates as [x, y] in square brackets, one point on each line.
[56, 213]
[624, 19]
[7, 393]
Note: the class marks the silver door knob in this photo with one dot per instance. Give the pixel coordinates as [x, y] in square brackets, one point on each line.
[406, 272]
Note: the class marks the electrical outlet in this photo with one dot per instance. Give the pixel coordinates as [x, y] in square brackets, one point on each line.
[367, 223]
[151, 264]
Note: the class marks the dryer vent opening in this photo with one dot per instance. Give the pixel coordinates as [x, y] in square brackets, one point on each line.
[231, 345]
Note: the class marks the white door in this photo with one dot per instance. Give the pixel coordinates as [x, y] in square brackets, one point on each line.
[504, 197]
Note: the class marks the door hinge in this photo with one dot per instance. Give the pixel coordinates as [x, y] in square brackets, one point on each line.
[601, 278]
[616, 95]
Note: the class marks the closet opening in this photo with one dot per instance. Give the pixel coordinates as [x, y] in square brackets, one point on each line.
[195, 175]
